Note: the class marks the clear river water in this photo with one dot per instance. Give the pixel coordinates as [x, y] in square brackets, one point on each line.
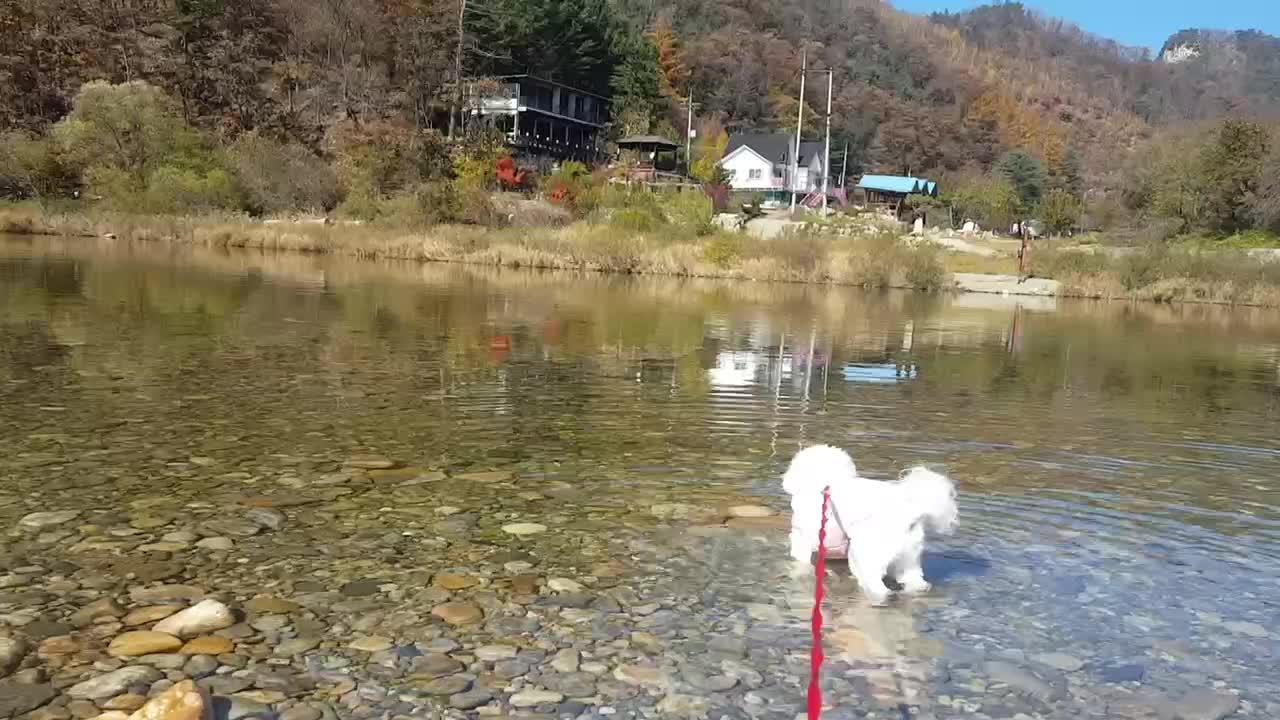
[442, 491]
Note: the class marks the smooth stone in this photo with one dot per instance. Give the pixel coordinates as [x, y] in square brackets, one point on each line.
[266, 697]
[207, 645]
[100, 608]
[524, 528]
[566, 661]
[683, 511]
[160, 593]
[370, 462]
[200, 666]
[361, 588]
[1204, 704]
[142, 642]
[265, 518]
[1022, 680]
[1129, 672]
[183, 701]
[435, 665]
[510, 669]
[113, 683]
[17, 698]
[1248, 629]
[1061, 661]
[302, 712]
[470, 700]
[269, 623]
[574, 685]
[533, 698]
[458, 613]
[682, 706]
[709, 683]
[225, 684]
[494, 653]
[524, 584]
[371, 644]
[220, 544]
[450, 685]
[271, 605]
[450, 581]
[236, 707]
[42, 520]
[641, 675]
[565, 585]
[127, 702]
[204, 617]
[12, 650]
[235, 527]
[147, 615]
[163, 661]
[296, 646]
[751, 511]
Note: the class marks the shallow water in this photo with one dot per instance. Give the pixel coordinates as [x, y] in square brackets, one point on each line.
[1118, 553]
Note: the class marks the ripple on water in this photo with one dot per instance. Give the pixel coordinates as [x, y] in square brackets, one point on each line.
[1120, 533]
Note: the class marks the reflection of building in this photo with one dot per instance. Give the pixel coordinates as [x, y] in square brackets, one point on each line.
[880, 373]
[737, 368]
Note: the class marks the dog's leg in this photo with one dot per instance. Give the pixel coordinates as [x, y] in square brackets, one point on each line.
[801, 546]
[869, 569]
[909, 573]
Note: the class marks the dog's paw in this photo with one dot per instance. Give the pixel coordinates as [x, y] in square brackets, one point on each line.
[915, 587]
[878, 599]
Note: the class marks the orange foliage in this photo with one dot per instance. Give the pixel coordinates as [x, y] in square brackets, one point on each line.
[673, 74]
[509, 176]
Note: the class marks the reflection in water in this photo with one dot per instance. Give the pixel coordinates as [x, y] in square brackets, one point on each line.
[1116, 461]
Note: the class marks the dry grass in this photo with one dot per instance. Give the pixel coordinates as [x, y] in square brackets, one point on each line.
[879, 261]
[810, 256]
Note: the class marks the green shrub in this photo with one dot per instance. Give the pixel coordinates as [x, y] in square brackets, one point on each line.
[723, 249]
[691, 212]
[923, 268]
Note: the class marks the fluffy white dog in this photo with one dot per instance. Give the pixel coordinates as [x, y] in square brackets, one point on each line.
[879, 526]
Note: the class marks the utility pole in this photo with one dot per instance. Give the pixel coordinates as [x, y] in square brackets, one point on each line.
[688, 140]
[844, 167]
[826, 151]
[795, 158]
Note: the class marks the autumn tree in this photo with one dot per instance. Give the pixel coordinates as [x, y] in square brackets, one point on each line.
[673, 74]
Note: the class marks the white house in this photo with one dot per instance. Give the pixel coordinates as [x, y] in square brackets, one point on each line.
[761, 163]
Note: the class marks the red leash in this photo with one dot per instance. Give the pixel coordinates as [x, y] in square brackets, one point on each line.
[816, 657]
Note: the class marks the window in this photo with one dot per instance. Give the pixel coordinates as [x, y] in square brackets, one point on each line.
[755, 174]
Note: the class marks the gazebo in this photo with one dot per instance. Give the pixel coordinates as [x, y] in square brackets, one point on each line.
[647, 150]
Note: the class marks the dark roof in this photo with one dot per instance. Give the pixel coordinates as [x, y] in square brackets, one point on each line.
[776, 147]
[648, 140]
[810, 149]
[544, 81]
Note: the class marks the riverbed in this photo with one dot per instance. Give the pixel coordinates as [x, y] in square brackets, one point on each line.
[439, 491]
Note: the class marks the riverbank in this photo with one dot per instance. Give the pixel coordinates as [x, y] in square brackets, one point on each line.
[874, 260]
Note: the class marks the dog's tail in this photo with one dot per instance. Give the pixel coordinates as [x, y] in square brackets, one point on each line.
[818, 467]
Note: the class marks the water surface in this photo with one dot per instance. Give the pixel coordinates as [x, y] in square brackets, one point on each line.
[1118, 556]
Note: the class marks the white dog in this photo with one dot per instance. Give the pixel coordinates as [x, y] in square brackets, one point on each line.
[879, 526]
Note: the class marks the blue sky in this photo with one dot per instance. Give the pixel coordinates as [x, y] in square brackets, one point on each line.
[1137, 22]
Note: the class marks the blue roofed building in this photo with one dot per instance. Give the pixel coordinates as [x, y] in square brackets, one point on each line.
[890, 190]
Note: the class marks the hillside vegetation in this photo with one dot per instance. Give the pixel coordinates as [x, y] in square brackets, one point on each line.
[275, 106]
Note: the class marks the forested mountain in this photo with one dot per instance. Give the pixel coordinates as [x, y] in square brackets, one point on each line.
[943, 94]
